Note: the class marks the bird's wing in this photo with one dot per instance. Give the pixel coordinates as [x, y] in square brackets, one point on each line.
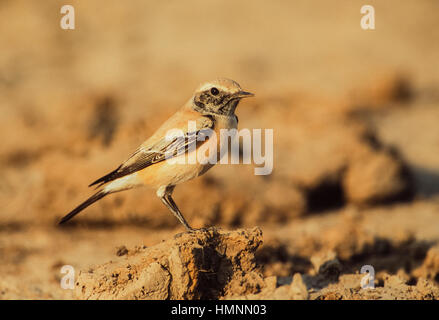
[163, 149]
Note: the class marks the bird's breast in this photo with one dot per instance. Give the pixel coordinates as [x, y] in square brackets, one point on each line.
[194, 163]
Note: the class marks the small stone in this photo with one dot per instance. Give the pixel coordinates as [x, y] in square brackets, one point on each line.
[121, 251]
[298, 289]
[327, 264]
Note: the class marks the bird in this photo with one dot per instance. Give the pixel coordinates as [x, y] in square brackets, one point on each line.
[210, 110]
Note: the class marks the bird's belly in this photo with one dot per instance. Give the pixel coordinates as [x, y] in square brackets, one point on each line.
[169, 173]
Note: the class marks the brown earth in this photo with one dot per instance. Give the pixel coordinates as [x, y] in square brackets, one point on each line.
[356, 161]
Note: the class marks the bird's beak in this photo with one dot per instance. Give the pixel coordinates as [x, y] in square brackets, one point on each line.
[244, 94]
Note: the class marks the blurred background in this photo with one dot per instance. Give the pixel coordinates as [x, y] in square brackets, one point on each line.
[355, 116]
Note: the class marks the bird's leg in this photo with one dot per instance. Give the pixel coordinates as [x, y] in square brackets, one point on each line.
[165, 196]
[169, 202]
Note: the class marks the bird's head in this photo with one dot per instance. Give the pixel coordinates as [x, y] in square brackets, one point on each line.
[220, 97]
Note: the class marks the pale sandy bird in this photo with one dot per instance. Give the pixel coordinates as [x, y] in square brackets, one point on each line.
[212, 107]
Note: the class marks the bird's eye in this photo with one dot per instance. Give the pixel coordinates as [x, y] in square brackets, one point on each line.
[214, 91]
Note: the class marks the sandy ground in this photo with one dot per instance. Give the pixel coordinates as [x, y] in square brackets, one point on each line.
[356, 140]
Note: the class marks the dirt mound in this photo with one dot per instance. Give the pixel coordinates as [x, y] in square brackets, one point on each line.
[394, 287]
[218, 264]
[205, 264]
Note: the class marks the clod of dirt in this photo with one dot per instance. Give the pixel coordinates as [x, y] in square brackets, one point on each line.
[327, 264]
[121, 251]
[430, 267]
[395, 288]
[383, 175]
[393, 280]
[388, 87]
[297, 290]
[206, 264]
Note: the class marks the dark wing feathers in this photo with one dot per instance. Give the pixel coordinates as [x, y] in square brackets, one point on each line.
[138, 161]
[107, 177]
[162, 150]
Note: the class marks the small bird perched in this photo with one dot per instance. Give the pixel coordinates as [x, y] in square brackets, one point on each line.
[212, 107]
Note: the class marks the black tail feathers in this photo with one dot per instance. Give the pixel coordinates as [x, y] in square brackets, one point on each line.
[97, 196]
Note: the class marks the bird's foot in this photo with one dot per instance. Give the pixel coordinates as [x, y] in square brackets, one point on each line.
[194, 230]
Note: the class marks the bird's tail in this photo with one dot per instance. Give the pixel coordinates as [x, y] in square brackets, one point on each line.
[97, 196]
